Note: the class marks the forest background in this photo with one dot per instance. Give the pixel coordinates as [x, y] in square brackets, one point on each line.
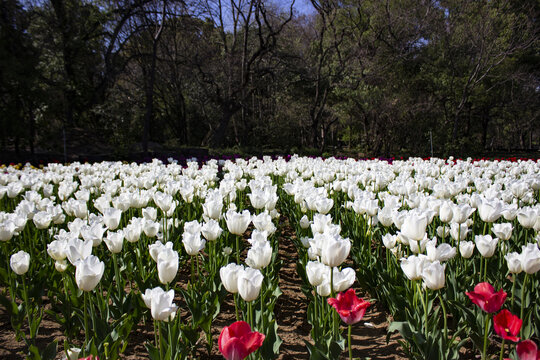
[111, 78]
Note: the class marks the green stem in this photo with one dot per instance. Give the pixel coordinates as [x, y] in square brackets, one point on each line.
[523, 288]
[160, 342]
[237, 249]
[485, 269]
[68, 304]
[171, 344]
[350, 344]
[263, 325]
[8, 269]
[198, 277]
[250, 314]
[481, 267]
[502, 350]
[139, 258]
[424, 305]
[192, 271]
[235, 295]
[513, 291]
[156, 334]
[119, 286]
[26, 307]
[335, 322]
[444, 319]
[315, 308]
[427, 311]
[85, 299]
[332, 283]
[486, 330]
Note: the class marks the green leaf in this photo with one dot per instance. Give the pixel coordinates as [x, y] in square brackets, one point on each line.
[50, 351]
[153, 352]
[272, 342]
[404, 329]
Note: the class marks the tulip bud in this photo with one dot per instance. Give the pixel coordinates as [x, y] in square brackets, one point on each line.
[193, 243]
[260, 255]
[315, 272]
[57, 249]
[237, 341]
[7, 229]
[433, 275]
[211, 230]
[334, 251]
[111, 218]
[530, 258]
[229, 276]
[263, 222]
[73, 353]
[132, 232]
[466, 249]
[513, 260]
[78, 250]
[114, 241]
[249, 284]
[61, 265]
[389, 241]
[161, 304]
[413, 266]
[490, 210]
[94, 233]
[167, 264]
[42, 219]
[237, 223]
[343, 279]
[502, 231]
[149, 213]
[486, 245]
[20, 262]
[150, 228]
[89, 272]
[304, 222]
[414, 226]
[446, 212]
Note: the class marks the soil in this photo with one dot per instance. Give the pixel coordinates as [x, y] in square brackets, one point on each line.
[369, 341]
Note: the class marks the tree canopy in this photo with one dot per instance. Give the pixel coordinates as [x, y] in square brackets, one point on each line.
[374, 77]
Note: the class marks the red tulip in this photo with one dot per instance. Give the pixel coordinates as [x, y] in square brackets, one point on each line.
[507, 325]
[527, 350]
[91, 357]
[350, 308]
[237, 341]
[486, 298]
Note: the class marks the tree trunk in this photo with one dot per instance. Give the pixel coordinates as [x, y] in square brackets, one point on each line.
[314, 131]
[149, 106]
[218, 137]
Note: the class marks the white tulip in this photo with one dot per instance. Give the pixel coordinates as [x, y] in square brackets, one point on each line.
[20, 262]
[249, 284]
[486, 245]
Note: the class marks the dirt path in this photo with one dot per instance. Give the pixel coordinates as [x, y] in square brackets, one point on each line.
[291, 310]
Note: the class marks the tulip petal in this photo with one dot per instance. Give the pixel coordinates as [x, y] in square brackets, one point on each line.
[527, 350]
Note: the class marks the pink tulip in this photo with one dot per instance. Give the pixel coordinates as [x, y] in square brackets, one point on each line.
[486, 298]
[350, 308]
[527, 350]
[237, 341]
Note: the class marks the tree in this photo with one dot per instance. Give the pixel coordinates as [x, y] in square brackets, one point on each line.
[245, 33]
